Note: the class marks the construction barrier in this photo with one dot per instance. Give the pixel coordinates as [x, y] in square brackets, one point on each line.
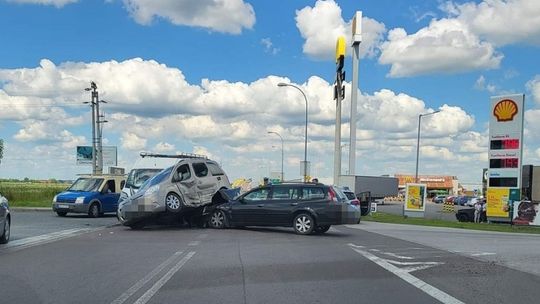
[448, 207]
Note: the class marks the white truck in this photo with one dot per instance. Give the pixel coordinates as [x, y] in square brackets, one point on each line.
[370, 188]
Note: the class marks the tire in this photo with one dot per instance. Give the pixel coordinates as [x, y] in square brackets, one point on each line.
[304, 224]
[322, 229]
[93, 210]
[173, 203]
[4, 238]
[218, 220]
[61, 213]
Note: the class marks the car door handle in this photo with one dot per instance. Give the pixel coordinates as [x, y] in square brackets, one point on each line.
[294, 204]
[261, 205]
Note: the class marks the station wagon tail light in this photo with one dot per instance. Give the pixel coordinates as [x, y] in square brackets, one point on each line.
[332, 195]
[79, 200]
[355, 202]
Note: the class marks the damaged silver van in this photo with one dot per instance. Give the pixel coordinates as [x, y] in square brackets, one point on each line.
[185, 188]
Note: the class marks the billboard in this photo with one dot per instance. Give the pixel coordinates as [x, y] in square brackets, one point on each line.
[505, 153]
[84, 155]
[415, 197]
[526, 213]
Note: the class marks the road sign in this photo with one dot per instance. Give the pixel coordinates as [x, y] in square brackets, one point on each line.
[505, 153]
[84, 155]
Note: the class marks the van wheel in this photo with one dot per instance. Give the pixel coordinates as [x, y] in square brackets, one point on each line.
[304, 223]
[173, 203]
[61, 213]
[93, 211]
[137, 226]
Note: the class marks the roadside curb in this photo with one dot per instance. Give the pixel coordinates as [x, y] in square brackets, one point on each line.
[26, 209]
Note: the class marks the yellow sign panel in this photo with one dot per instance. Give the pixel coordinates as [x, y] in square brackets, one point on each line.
[415, 196]
[497, 202]
[340, 48]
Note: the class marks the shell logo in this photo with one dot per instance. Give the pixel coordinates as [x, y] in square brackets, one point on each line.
[505, 110]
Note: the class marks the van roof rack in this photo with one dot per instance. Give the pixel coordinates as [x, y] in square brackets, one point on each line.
[181, 155]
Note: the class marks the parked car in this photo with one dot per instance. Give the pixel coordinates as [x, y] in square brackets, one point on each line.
[307, 207]
[90, 194]
[183, 188]
[450, 199]
[350, 197]
[467, 215]
[439, 199]
[461, 200]
[5, 220]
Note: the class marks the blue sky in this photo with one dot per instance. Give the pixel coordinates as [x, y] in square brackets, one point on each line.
[200, 76]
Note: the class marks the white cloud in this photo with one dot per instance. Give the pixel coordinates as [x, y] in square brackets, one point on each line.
[132, 141]
[225, 16]
[45, 132]
[445, 46]
[57, 3]
[322, 24]
[164, 147]
[482, 85]
[269, 46]
[500, 21]
[533, 86]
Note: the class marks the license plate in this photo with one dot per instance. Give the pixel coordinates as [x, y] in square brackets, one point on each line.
[63, 206]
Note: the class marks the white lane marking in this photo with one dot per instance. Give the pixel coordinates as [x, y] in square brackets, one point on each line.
[46, 238]
[375, 250]
[133, 289]
[483, 253]
[194, 243]
[403, 257]
[413, 263]
[155, 288]
[332, 229]
[440, 295]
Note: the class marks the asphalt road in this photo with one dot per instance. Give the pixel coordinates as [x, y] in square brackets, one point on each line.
[353, 264]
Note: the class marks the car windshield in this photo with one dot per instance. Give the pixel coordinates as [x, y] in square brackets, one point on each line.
[137, 177]
[158, 178]
[86, 184]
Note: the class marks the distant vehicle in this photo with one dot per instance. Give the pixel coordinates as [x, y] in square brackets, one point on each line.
[467, 215]
[90, 194]
[378, 187]
[439, 199]
[184, 188]
[461, 200]
[351, 197]
[5, 220]
[307, 207]
[146, 167]
[471, 200]
[450, 198]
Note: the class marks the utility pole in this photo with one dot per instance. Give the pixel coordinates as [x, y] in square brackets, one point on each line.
[356, 40]
[339, 95]
[97, 147]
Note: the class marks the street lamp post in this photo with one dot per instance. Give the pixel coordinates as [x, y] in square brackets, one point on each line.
[418, 142]
[282, 175]
[282, 84]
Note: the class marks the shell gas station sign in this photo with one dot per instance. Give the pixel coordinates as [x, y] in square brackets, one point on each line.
[505, 154]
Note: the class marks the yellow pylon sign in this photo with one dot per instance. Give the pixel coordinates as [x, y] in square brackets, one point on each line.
[448, 207]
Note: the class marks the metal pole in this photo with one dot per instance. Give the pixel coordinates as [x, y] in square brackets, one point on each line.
[354, 108]
[281, 84]
[99, 144]
[93, 134]
[337, 139]
[417, 149]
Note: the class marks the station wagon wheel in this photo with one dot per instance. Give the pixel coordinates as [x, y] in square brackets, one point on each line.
[322, 229]
[173, 202]
[4, 238]
[93, 211]
[217, 220]
[304, 223]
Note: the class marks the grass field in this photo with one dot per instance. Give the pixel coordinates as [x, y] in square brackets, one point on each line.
[30, 194]
[398, 219]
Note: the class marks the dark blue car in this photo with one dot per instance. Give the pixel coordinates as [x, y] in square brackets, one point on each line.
[93, 195]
